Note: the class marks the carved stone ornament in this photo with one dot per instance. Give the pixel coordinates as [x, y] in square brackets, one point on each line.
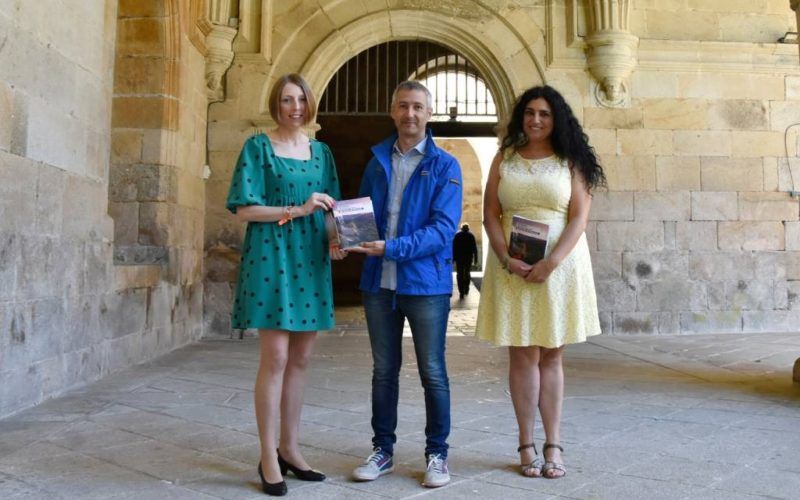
[219, 56]
[611, 50]
[612, 58]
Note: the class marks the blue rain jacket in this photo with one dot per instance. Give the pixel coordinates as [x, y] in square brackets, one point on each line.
[429, 215]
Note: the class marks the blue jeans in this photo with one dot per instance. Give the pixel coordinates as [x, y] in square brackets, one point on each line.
[427, 317]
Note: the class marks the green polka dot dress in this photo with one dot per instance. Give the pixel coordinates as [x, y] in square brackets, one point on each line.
[285, 274]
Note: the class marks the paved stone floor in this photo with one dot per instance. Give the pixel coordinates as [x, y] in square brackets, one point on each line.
[706, 416]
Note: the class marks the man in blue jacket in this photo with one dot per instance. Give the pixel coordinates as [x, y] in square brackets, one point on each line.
[416, 194]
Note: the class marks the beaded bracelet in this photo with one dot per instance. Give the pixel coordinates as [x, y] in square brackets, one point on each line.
[287, 215]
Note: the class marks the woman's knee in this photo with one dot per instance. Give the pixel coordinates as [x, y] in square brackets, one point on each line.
[298, 360]
[524, 357]
[274, 349]
[274, 362]
[552, 358]
[301, 347]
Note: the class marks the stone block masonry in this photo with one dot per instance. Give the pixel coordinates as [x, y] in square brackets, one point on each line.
[68, 314]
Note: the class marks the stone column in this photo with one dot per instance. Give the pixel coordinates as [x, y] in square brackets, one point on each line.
[612, 49]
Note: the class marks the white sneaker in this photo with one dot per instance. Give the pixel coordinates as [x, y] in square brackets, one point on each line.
[436, 474]
[376, 465]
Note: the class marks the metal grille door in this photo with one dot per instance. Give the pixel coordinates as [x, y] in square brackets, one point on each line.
[364, 84]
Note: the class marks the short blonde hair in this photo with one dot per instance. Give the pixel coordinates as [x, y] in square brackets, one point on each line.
[277, 90]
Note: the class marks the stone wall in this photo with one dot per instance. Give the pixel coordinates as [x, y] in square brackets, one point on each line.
[696, 233]
[748, 21]
[68, 314]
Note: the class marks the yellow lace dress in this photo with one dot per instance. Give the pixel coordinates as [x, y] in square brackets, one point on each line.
[563, 309]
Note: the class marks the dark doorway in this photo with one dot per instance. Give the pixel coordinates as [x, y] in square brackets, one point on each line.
[350, 138]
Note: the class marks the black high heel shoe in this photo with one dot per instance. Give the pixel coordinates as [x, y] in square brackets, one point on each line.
[303, 475]
[272, 489]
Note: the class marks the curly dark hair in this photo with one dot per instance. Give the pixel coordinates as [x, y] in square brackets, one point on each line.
[568, 139]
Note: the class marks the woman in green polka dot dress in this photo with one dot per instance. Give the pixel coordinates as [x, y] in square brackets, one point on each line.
[282, 185]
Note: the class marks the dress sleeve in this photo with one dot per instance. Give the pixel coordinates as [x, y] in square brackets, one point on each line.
[247, 183]
[330, 183]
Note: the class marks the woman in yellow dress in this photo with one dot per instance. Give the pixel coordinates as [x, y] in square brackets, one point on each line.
[545, 171]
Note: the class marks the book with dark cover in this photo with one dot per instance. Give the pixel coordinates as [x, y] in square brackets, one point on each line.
[528, 241]
[351, 223]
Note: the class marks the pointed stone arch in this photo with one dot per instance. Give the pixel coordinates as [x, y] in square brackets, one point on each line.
[501, 54]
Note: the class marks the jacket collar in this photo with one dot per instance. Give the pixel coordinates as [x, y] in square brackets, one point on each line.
[383, 150]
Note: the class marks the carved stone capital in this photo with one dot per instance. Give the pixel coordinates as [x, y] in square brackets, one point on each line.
[611, 60]
[611, 49]
[219, 56]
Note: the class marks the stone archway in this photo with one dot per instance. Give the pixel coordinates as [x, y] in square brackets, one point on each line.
[500, 53]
